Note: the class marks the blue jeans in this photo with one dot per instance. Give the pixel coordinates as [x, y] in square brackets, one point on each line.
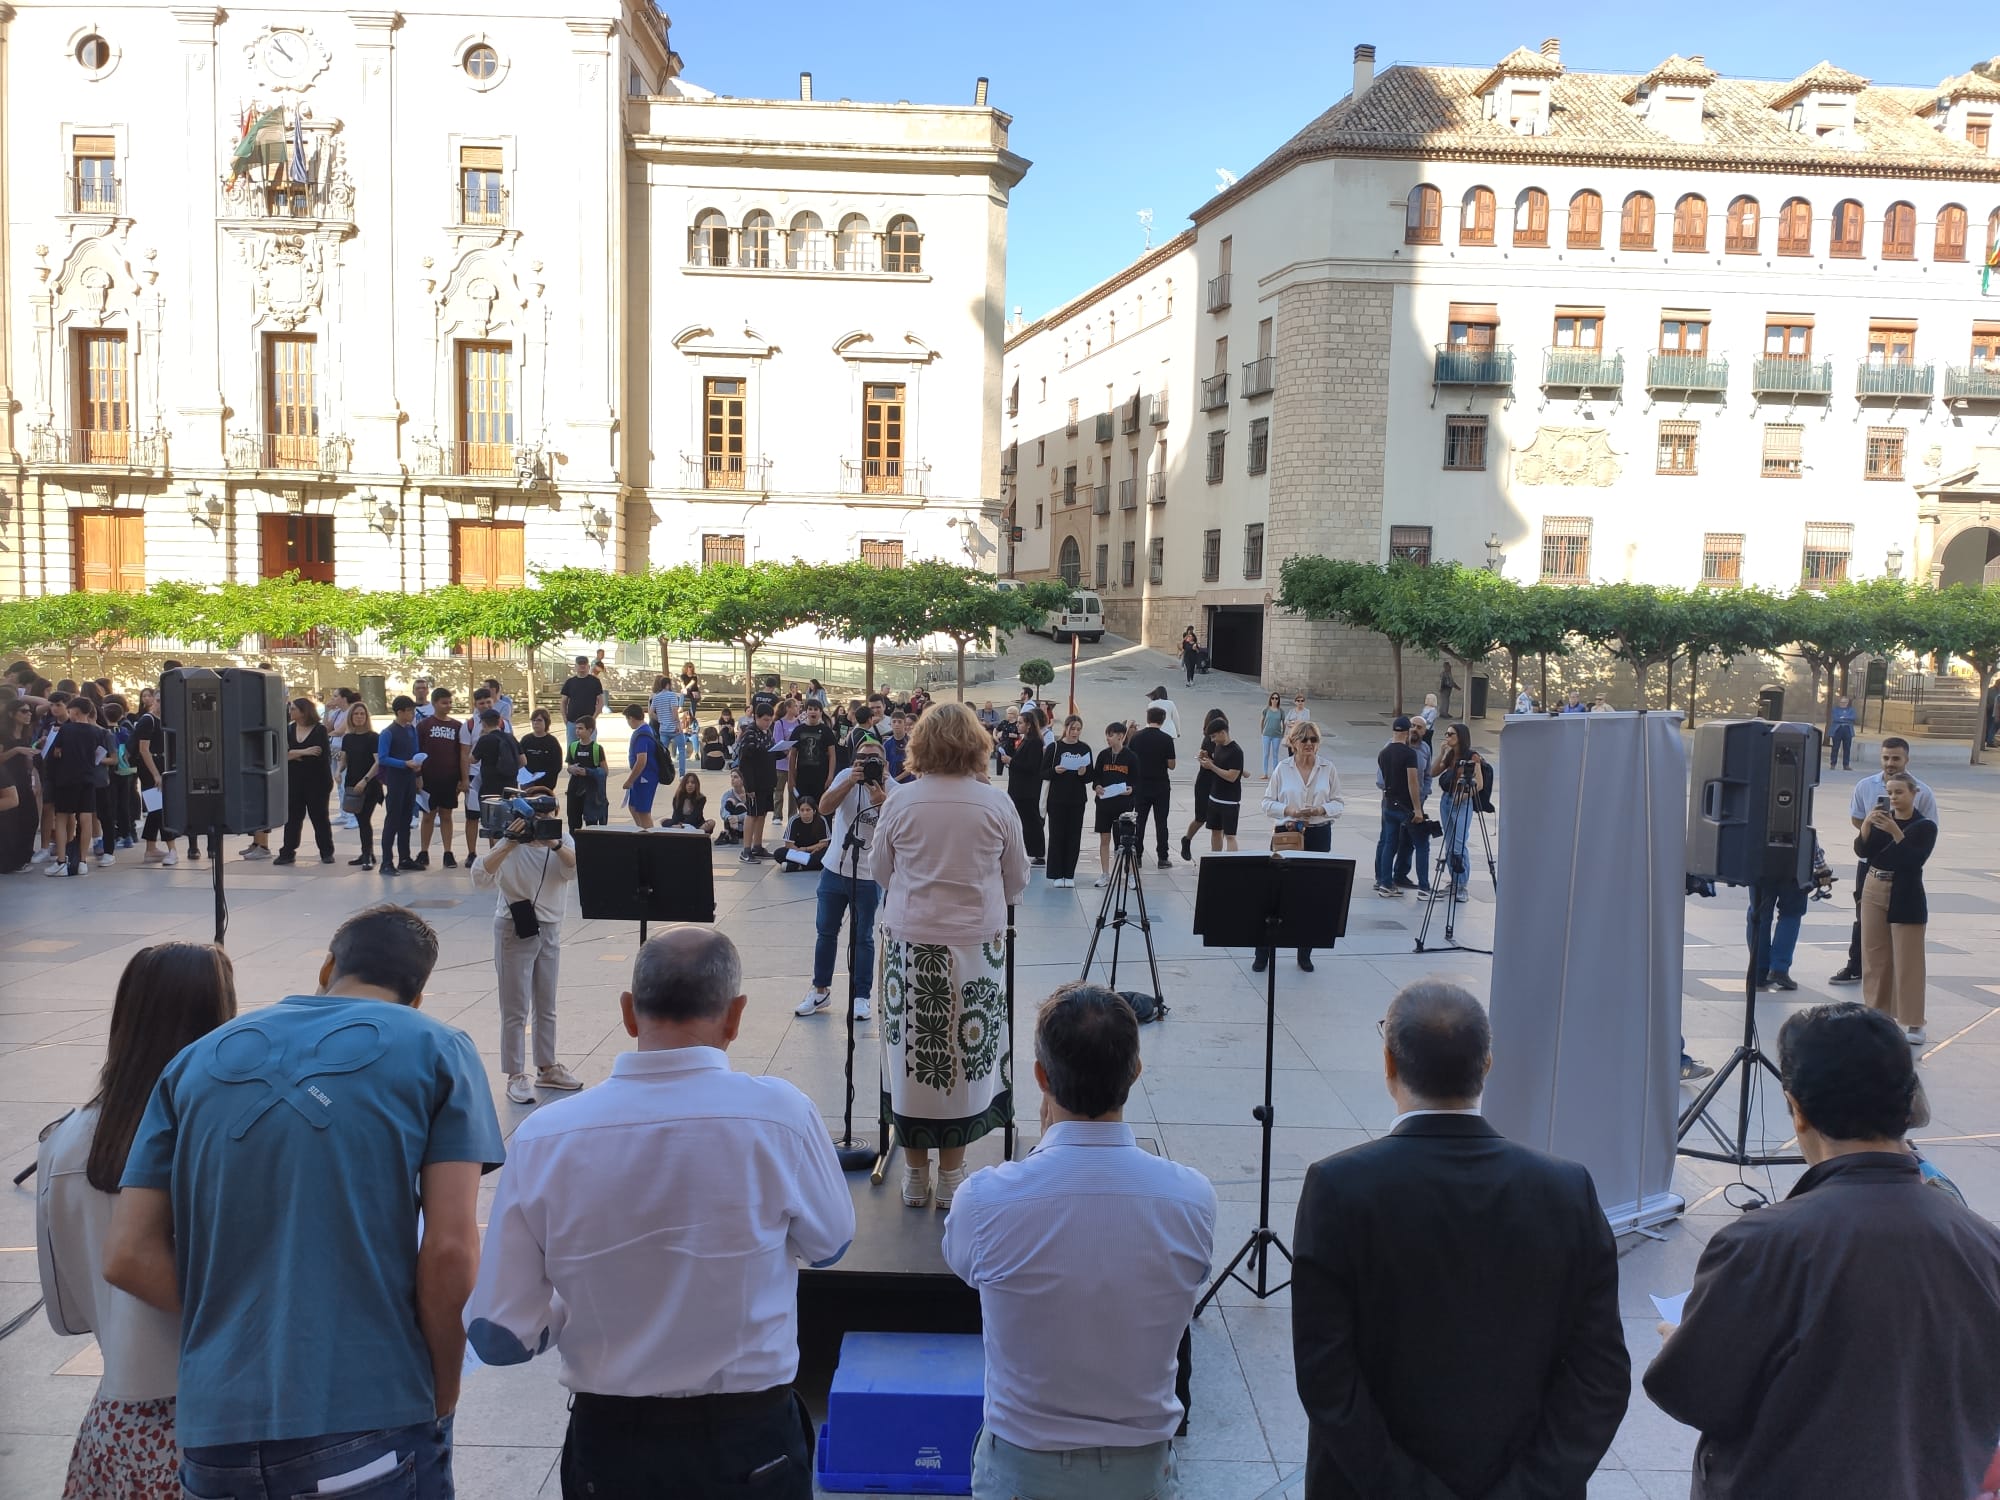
[1457, 819]
[1413, 848]
[1388, 841]
[833, 905]
[1774, 950]
[1274, 745]
[421, 1467]
[1840, 746]
[1000, 1471]
[675, 745]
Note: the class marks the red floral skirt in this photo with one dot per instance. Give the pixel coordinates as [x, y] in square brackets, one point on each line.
[125, 1451]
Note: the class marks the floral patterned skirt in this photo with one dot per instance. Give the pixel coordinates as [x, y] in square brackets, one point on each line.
[947, 1050]
[125, 1451]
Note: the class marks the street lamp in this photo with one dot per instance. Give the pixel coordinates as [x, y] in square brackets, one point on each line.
[1494, 556]
[204, 508]
[1894, 563]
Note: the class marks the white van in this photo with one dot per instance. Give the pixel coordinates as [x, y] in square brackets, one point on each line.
[1082, 615]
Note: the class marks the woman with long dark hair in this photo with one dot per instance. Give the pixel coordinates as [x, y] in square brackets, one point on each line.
[1025, 774]
[1457, 797]
[170, 995]
[690, 809]
[20, 825]
[308, 783]
[1069, 762]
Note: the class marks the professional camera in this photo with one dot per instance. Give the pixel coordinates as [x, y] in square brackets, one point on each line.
[871, 769]
[497, 816]
[1823, 880]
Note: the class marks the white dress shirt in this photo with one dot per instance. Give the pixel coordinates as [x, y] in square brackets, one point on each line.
[1868, 788]
[1319, 793]
[141, 1345]
[649, 1229]
[1088, 1257]
[1411, 1114]
[530, 873]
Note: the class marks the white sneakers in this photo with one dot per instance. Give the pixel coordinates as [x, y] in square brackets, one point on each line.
[947, 1186]
[1063, 882]
[41, 856]
[917, 1186]
[556, 1076]
[519, 1089]
[861, 1010]
[1916, 1035]
[814, 1002]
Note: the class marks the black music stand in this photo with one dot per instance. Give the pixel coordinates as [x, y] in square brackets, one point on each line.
[645, 875]
[1269, 901]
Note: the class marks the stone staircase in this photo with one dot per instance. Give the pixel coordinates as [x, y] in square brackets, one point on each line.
[1950, 709]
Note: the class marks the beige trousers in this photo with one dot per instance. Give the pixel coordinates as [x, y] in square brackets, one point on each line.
[1892, 958]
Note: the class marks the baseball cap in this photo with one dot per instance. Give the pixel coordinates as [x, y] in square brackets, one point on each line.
[1402, 722]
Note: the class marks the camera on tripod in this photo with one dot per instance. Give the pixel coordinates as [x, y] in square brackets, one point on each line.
[497, 816]
[1126, 836]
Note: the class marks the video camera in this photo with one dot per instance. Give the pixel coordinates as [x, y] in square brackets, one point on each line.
[497, 816]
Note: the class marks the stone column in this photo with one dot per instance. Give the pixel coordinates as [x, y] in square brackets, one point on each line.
[197, 440]
[593, 338]
[369, 340]
[6, 271]
[1329, 425]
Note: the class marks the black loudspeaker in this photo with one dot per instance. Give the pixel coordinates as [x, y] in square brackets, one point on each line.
[1750, 807]
[225, 770]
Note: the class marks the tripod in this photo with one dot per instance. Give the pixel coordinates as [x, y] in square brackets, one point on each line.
[855, 1158]
[1747, 1057]
[1268, 901]
[1447, 877]
[1124, 876]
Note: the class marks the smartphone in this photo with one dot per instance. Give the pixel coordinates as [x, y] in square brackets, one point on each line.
[1882, 804]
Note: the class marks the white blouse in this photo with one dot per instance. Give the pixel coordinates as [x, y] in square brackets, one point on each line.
[1318, 794]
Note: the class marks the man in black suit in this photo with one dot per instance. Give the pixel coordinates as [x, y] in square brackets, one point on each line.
[1455, 1296]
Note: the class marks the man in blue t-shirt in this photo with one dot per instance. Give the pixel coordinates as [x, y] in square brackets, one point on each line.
[271, 1199]
[642, 754]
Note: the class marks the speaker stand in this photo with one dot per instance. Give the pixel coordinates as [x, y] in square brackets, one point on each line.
[1744, 1062]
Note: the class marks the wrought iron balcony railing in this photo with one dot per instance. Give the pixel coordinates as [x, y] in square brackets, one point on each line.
[1972, 383]
[725, 471]
[884, 476]
[1218, 292]
[1465, 366]
[97, 448]
[1791, 375]
[1259, 376]
[1582, 370]
[1128, 494]
[464, 459]
[1107, 426]
[1895, 378]
[1215, 392]
[1686, 372]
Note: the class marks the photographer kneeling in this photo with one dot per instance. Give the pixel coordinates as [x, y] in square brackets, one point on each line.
[529, 867]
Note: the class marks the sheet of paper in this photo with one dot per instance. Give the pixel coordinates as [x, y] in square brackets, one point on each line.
[1670, 1307]
[797, 857]
[1116, 790]
[523, 776]
[151, 799]
[423, 802]
[353, 1479]
[1075, 762]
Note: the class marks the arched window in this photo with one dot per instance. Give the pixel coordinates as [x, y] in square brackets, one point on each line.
[1635, 225]
[709, 245]
[755, 249]
[1899, 232]
[1424, 215]
[1531, 217]
[805, 243]
[1475, 217]
[1847, 220]
[1950, 233]
[1691, 223]
[1795, 227]
[1739, 230]
[1586, 221]
[853, 245]
[903, 246]
[1069, 562]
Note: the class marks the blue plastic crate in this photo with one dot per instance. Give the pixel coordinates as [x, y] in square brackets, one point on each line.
[902, 1414]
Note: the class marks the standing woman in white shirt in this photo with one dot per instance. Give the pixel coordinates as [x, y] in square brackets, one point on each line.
[170, 995]
[950, 859]
[1158, 698]
[1303, 793]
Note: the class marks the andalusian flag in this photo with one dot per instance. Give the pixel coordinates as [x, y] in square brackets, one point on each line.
[1992, 260]
[264, 139]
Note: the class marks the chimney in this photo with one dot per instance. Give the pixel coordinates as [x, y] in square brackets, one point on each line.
[979, 94]
[1552, 49]
[806, 86]
[1698, 60]
[1364, 68]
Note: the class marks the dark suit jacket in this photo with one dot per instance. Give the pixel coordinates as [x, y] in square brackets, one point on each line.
[1455, 1319]
[1843, 1342]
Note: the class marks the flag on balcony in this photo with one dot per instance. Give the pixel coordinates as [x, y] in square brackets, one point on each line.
[263, 139]
[1986, 271]
[295, 163]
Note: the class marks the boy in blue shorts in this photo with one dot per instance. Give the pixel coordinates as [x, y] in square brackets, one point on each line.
[643, 756]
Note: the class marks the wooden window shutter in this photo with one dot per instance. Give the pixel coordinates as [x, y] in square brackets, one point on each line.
[94, 145]
[129, 527]
[481, 158]
[96, 567]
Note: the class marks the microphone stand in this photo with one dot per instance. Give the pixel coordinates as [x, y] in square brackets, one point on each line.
[853, 1158]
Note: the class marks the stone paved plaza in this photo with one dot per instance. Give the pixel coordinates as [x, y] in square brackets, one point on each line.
[62, 944]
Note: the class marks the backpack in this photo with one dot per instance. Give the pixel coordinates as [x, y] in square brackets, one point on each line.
[123, 741]
[507, 764]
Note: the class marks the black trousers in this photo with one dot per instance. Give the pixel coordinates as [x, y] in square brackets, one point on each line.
[750, 1447]
[1854, 937]
[1028, 803]
[1065, 838]
[307, 800]
[1319, 840]
[371, 798]
[1150, 800]
[399, 805]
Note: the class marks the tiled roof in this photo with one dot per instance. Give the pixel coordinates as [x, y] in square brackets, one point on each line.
[1821, 78]
[1678, 69]
[1964, 86]
[1520, 63]
[1436, 113]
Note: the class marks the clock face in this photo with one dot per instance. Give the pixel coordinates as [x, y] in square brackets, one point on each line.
[287, 55]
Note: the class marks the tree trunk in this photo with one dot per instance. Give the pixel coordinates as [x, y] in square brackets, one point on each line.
[1396, 653]
[959, 643]
[1670, 678]
[868, 667]
[531, 681]
[1513, 677]
[1979, 715]
[1545, 680]
[1639, 672]
[749, 671]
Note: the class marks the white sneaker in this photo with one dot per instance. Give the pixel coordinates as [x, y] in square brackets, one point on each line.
[1464, 893]
[106, 860]
[519, 1089]
[556, 1076]
[1916, 1035]
[916, 1186]
[1101, 882]
[170, 858]
[57, 867]
[947, 1186]
[861, 1010]
[814, 1002]
[41, 857]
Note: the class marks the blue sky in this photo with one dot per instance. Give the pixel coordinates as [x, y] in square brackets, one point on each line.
[1123, 106]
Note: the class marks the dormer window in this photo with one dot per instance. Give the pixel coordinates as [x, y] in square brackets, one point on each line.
[1672, 97]
[1820, 103]
[1516, 93]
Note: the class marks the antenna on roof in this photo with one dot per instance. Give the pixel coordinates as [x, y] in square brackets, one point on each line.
[1146, 223]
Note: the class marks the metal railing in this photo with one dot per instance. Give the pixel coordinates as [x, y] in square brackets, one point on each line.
[1218, 292]
[1069, 493]
[1158, 415]
[884, 476]
[94, 447]
[1494, 366]
[1970, 383]
[1583, 369]
[1156, 488]
[1259, 376]
[301, 453]
[94, 195]
[777, 249]
[1791, 375]
[1214, 392]
[1686, 372]
[725, 471]
[469, 460]
[1107, 426]
[1128, 494]
[480, 205]
[1100, 500]
[1895, 377]
[1128, 416]
[248, 199]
